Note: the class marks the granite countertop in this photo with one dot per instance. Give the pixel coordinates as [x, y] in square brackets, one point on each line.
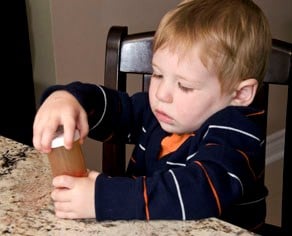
[26, 207]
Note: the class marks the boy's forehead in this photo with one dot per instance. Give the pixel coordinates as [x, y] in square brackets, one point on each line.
[186, 56]
[183, 50]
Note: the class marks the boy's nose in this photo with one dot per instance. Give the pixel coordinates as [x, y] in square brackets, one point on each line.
[164, 92]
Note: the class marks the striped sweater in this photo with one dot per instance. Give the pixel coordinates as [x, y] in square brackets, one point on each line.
[217, 171]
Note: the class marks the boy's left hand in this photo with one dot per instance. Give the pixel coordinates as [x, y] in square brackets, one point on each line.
[74, 196]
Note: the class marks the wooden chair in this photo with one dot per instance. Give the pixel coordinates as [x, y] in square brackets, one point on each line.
[132, 54]
[280, 73]
[125, 55]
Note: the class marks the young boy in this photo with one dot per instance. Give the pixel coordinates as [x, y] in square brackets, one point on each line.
[199, 150]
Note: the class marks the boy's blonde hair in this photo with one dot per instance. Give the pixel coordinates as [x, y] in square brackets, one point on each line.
[233, 35]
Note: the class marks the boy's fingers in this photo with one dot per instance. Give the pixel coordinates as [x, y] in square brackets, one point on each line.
[63, 181]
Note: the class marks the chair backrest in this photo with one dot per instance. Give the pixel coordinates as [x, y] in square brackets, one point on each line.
[125, 54]
[280, 73]
[132, 54]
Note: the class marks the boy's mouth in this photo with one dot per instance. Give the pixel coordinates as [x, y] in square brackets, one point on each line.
[163, 117]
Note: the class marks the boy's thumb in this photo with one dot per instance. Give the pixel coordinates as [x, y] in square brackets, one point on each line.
[63, 181]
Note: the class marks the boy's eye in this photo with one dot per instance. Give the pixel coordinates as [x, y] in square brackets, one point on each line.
[157, 76]
[183, 88]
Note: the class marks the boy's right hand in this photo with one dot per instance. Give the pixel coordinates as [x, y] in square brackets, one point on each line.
[59, 109]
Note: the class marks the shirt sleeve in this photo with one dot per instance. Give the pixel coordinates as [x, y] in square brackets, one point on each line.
[197, 190]
[110, 112]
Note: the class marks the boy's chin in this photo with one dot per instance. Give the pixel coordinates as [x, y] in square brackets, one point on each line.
[170, 128]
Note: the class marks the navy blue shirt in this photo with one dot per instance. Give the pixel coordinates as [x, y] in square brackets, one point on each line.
[216, 171]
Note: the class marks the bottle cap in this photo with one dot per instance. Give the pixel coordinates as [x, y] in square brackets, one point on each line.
[58, 141]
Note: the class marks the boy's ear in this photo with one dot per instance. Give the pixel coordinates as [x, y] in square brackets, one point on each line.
[245, 92]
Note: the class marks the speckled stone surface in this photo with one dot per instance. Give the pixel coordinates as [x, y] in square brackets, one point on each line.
[26, 207]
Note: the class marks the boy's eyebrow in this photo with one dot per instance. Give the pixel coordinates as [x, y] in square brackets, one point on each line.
[188, 79]
[153, 64]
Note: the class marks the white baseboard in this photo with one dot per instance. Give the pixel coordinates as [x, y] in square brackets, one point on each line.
[275, 146]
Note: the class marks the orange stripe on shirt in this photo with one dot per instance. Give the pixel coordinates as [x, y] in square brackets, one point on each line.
[248, 163]
[212, 186]
[256, 113]
[172, 143]
[146, 199]
[132, 159]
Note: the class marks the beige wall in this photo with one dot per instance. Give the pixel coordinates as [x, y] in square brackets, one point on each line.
[68, 40]
[41, 44]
